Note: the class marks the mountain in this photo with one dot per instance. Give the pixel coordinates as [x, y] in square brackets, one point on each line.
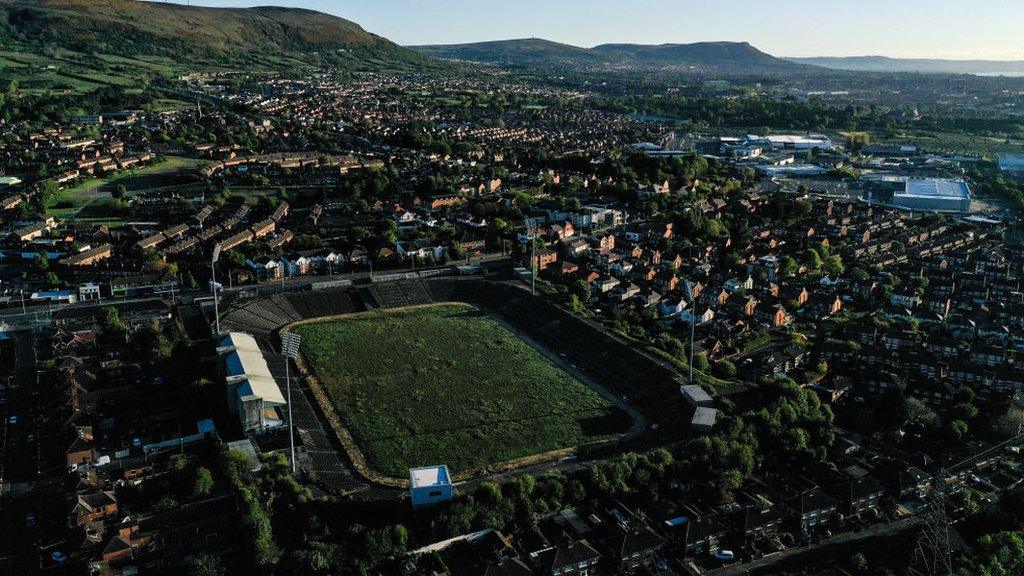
[740, 55]
[203, 35]
[924, 65]
[522, 51]
[736, 57]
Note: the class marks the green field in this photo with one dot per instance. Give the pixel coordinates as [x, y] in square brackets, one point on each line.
[449, 385]
[90, 199]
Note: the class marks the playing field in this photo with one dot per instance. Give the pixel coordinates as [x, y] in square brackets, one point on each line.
[449, 385]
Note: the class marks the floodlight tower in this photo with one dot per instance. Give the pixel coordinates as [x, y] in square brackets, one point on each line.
[531, 232]
[290, 342]
[693, 322]
[213, 286]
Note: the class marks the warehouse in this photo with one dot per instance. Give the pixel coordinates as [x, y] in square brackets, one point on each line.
[933, 195]
[1012, 165]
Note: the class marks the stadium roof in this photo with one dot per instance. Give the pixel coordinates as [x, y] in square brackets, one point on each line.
[936, 188]
[244, 362]
[429, 476]
[704, 416]
[695, 393]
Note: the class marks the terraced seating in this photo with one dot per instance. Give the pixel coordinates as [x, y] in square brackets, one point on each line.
[440, 289]
[285, 306]
[389, 295]
[416, 293]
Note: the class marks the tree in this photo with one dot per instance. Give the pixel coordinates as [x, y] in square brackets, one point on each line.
[957, 430]
[812, 259]
[41, 262]
[112, 322]
[202, 483]
[160, 348]
[206, 565]
[859, 563]
[725, 369]
[787, 267]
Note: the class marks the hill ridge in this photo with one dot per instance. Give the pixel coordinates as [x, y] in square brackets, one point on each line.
[204, 34]
[540, 52]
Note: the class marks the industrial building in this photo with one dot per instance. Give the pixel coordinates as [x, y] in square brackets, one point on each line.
[791, 170]
[1012, 164]
[934, 195]
[253, 393]
[429, 485]
[793, 142]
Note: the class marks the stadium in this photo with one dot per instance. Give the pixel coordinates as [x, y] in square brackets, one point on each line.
[641, 387]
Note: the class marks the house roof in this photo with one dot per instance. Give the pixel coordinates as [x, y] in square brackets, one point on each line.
[812, 500]
[638, 541]
[507, 567]
[95, 500]
[573, 553]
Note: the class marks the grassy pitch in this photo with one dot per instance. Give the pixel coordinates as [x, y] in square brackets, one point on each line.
[449, 385]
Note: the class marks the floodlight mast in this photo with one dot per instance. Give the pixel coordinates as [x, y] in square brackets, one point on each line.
[213, 286]
[290, 342]
[693, 322]
[531, 233]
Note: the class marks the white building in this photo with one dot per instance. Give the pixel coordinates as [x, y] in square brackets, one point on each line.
[429, 485]
[253, 393]
[794, 142]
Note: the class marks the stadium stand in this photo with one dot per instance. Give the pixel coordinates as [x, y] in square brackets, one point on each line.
[602, 357]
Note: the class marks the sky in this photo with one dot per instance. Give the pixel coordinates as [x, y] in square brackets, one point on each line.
[956, 29]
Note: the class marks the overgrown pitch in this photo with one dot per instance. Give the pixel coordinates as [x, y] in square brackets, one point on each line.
[449, 385]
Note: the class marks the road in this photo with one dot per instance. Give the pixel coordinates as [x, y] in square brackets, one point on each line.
[30, 316]
[838, 546]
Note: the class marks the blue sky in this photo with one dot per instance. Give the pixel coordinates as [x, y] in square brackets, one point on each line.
[968, 29]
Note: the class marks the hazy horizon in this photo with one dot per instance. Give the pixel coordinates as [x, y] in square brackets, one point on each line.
[944, 29]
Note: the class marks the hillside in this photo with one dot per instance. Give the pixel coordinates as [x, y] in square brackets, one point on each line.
[200, 35]
[522, 51]
[739, 56]
[923, 65]
[725, 57]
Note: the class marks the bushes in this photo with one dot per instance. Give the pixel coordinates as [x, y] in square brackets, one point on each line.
[725, 369]
[255, 520]
[202, 484]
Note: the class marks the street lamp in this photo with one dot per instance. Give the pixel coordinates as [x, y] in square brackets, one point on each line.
[290, 349]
